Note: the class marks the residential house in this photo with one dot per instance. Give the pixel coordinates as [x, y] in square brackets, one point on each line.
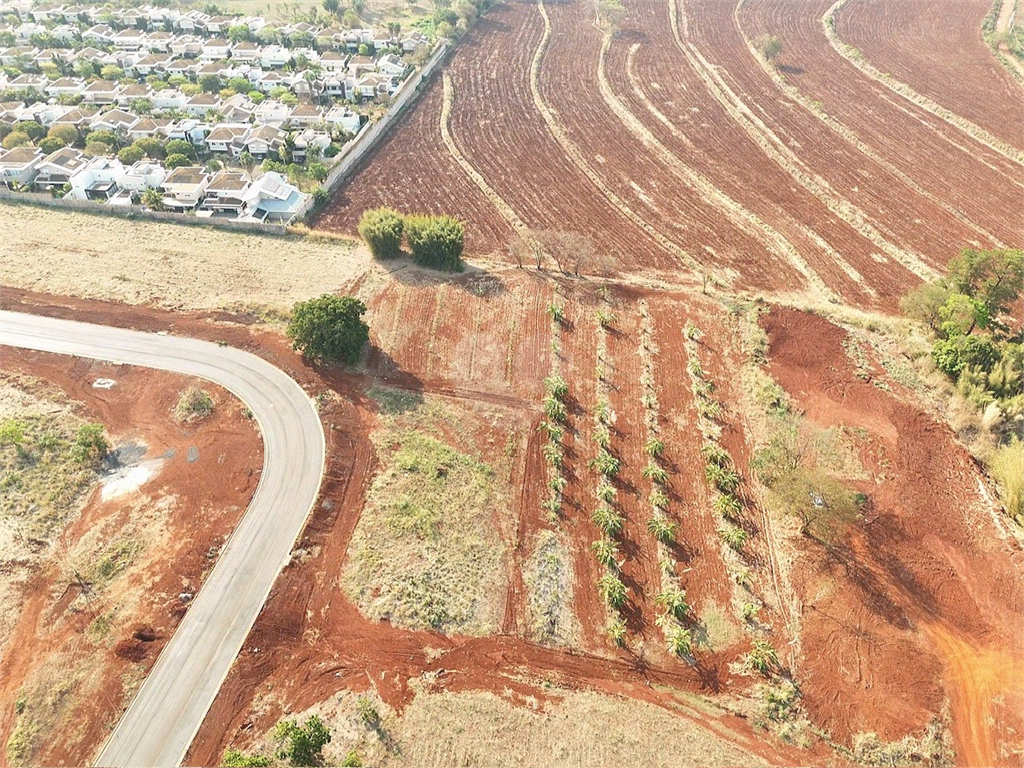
[215, 49]
[101, 92]
[65, 33]
[150, 128]
[183, 67]
[116, 120]
[43, 113]
[333, 61]
[64, 85]
[92, 55]
[10, 56]
[390, 64]
[303, 141]
[264, 140]
[225, 137]
[100, 33]
[96, 180]
[221, 68]
[272, 112]
[189, 129]
[383, 38]
[79, 117]
[141, 176]
[336, 85]
[28, 83]
[267, 81]
[238, 108]
[18, 166]
[413, 40]
[158, 41]
[246, 52]
[133, 92]
[360, 65]
[344, 118]
[186, 45]
[54, 170]
[225, 192]
[272, 199]
[169, 98]
[202, 103]
[305, 115]
[219, 25]
[130, 39]
[185, 187]
[373, 85]
[149, 64]
[274, 56]
[25, 31]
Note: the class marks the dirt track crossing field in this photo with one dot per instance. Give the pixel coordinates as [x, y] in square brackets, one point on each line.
[690, 158]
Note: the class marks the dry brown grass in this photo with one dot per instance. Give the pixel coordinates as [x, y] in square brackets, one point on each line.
[178, 267]
[580, 729]
[426, 551]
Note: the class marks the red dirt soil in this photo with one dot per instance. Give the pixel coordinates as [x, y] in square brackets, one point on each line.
[929, 46]
[926, 576]
[921, 579]
[209, 496]
[502, 133]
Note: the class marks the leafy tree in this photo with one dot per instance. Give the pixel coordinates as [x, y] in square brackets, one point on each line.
[190, 89]
[179, 147]
[141, 106]
[234, 758]
[382, 229]
[821, 503]
[769, 46]
[992, 277]
[98, 149]
[16, 139]
[30, 127]
[302, 745]
[131, 155]
[445, 16]
[329, 328]
[239, 33]
[90, 446]
[317, 171]
[240, 84]
[51, 144]
[331, 6]
[209, 83]
[177, 161]
[436, 241]
[111, 72]
[269, 35]
[299, 39]
[107, 137]
[152, 148]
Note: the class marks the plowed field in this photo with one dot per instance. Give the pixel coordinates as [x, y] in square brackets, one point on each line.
[677, 152]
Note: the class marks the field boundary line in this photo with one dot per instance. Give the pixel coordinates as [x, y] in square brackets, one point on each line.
[580, 162]
[778, 151]
[739, 215]
[449, 141]
[976, 132]
[852, 138]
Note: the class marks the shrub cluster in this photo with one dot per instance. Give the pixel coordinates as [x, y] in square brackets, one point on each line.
[434, 241]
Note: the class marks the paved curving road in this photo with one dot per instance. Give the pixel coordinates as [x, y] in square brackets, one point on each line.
[162, 720]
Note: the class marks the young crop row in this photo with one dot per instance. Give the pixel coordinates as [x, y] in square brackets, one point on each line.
[722, 476]
[606, 515]
[555, 414]
[671, 599]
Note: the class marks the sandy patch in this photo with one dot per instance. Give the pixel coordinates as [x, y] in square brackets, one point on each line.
[128, 479]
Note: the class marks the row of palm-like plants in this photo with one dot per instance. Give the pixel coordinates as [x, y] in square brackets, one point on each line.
[719, 469]
[606, 464]
[556, 413]
[671, 600]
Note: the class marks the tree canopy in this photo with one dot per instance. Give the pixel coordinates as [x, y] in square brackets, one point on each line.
[436, 241]
[329, 328]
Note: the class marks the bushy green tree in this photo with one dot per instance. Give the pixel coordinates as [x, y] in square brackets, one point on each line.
[436, 241]
[179, 147]
[51, 144]
[90, 446]
[176, 161]
[131, 155]
[382, 230]
[302, 745]
[329, 328]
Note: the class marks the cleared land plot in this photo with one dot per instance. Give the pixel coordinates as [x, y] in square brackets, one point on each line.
[167, 265]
